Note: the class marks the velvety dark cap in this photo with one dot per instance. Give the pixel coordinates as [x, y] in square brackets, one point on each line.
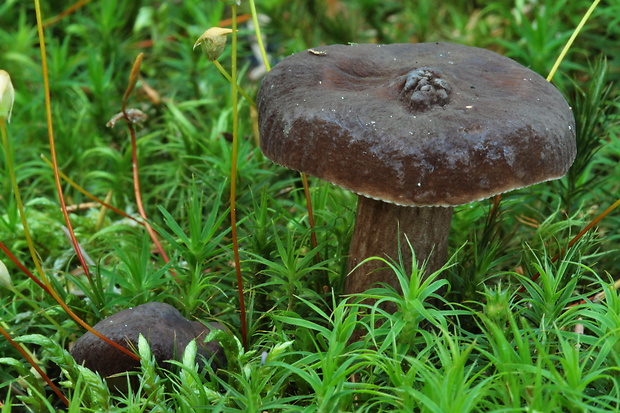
[165, 329]
[415, 124]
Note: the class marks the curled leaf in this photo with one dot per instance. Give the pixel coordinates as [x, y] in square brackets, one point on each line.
[133, 78]
[213, 42]
[133, 116]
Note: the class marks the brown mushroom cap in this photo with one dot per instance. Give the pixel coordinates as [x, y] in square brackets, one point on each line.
[165, 329]
[415, 124]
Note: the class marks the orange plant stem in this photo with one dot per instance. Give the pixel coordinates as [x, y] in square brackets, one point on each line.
[133, 78]
[50, 131]
[44, 278]
[91, 196]
[578, 236]
[23, 268]
[34, 364]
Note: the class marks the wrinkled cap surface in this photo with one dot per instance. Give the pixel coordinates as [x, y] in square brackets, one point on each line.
[415, 124]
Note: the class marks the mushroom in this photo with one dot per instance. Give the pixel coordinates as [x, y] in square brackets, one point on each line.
[414, 129]
[165, 329]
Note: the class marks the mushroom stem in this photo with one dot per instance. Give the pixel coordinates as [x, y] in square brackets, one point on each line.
[376, 232]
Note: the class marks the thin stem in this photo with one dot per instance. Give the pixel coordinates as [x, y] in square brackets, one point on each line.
[229, 78]
[44, 283]
[597, 298]
[91, 196]
[20, 207]
[568, 45]
[133, 79]
[70, 10]
[34, 364]
[138, 195]
[259, 38]
[50, 131]
[22, 214]
[578, 237]
[233, 178]
[23, 268]
[33, 254]
[304, 179]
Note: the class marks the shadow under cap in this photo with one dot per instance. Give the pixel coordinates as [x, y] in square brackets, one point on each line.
[429, 124]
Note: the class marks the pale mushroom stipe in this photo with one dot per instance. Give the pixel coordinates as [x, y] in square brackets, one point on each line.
[414, 129]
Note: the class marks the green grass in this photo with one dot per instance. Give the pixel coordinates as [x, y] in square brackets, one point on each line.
[468, 340]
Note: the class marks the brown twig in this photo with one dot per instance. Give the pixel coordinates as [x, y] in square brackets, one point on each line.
[69, 10]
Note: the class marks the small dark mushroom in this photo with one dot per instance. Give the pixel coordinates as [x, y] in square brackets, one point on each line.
[165, 329]
[415, 129]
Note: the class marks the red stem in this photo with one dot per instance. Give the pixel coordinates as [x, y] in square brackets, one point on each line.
[50, 132]
[91, 196]
[23, 268]
[34, 365]
[233, 180]
[577, 237]
[136, 187]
